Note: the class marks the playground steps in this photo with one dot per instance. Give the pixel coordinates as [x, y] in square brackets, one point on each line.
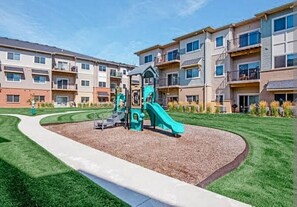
[116, 118]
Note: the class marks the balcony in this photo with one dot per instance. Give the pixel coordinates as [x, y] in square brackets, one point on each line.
[70, 69]
[64, 87]
[248, 43]
[173, 82]
[167, 60]
[115, 74]
[112, 90]
[241, 78]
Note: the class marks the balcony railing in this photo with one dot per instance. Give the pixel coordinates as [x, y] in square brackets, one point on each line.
[66, 68]
[243, 75]
[168, 82]
[167, 58]
[246, 40]
[66, 87]
[116, 74]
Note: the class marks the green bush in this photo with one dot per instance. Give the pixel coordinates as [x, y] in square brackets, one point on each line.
[262, 107]
[253, 109]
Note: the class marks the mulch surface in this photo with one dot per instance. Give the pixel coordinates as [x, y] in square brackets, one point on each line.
[193, 157]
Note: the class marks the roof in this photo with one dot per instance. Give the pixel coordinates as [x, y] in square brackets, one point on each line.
[200, 31]
[35, 47]
[277, 9]
[282, 85]
[148, 49]
[142, 69]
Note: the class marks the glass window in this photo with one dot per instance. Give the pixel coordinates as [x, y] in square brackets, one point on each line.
[253, 99]
[13, 98]
[192, 46]
[62, 65]
[220, 99]
[85, 83]
[219, 70]
[292, 60]
[13, 56]
[38, 59]
[172, 55]
[85, 66]
[13, 77]
[124, 72]
[102, 84]
[192, 73]
[280, 61]
[85, 99]
[39, 98]
[244, 40]
[254, 38]
[219, 41]
[102, 68]
[148, 58]
[280, 24]
[191, 99]
[39, 79]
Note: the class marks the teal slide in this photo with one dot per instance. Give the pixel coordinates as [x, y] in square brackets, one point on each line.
[162, 119]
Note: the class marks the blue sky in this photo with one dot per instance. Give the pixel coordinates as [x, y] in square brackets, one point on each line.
[115, 29]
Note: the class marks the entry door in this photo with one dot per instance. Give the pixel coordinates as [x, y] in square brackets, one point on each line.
[62, 100]
[243, 104]
[172, 79]
[62, 84]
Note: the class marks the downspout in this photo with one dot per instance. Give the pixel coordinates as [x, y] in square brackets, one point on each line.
[204, 74]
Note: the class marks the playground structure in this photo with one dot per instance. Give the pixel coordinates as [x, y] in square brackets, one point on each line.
[130, 108]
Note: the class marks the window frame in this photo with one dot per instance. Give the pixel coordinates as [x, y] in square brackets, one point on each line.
[286, 61]
[102, 83]
[20, 80]
[223, 70]
[197, 101]
[39, 76]
[39, 59]
[223, 98]
[84, 97]
[13, 56]
[37, 98]
[192, 77]
[149, 59]
[14, 95]
[102, 68]
[286, 23]
[83, 66]
[223, 45]
[85, 81]
[192, 43]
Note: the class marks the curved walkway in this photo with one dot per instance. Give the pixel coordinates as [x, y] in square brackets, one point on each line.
[135, 185]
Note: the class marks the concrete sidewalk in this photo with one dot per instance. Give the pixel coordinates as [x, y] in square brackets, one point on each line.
[133, 184]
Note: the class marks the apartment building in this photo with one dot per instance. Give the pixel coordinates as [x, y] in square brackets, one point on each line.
[236, 64]
[49, 74]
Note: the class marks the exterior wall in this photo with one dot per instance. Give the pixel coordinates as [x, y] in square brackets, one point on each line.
[266, 39]
[25, 96]
[246, 28]
[244, 59]
[191, 91]
[275, 75]
[170, 48]
[97, 90]
[154, 53]
[71, 96]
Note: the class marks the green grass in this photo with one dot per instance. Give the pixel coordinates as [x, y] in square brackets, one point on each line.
[30, 176]
[266, 176]
[40, 111]
[76, 117]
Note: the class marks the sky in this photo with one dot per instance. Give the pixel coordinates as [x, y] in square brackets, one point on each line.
[115, 29]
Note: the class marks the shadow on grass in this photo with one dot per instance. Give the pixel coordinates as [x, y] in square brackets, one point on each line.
[62, 189]
[2, 140]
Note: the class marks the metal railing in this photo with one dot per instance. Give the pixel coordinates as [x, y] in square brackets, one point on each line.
[249, 39]
[243, 75]
[175, 81]
[64, 86]
[66, 68]
[165, 58]
[116, 74]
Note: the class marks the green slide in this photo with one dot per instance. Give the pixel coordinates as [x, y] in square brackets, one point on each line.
[162, 119]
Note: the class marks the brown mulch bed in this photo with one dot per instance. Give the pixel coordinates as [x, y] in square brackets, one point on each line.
[193, 157]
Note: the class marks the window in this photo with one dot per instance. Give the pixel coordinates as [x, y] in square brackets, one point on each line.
[39, 79]
[286, 22]
[13, 98]
[85, 66]
[191, 99]
[192, 73]
[124, 72]
[283, 61]
[13, 56]
[39, 98]
[13, 77]
[220, 41]
[192, 46]
[246, 69]
[39, 59]
[148, 58]
[102, 84]
[63, 65]
[285, 97]
[250, 38]
[220, 99]
[219, 70]
[124, 85]
[85, 83]
[85, 99]
[172, 79]
[172, 55]
[102, 68]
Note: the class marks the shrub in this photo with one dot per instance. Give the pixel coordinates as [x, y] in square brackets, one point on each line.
[170, 106]
[263, 106]
[200, 108]
[42, 105]
[253, 109]
[79, 105]
[217, 108]
[288, 110]
[274, 105]
[208, 108]
[181, 106]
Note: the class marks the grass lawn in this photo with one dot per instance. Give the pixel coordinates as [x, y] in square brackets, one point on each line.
[266, 177]
[30, 176]
[40, 111]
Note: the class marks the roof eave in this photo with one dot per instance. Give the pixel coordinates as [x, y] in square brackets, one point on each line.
[277, 9]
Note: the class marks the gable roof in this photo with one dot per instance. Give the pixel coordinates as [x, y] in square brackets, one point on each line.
[35, 47]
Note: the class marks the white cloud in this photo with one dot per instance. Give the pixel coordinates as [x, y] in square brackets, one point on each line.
[191, 6]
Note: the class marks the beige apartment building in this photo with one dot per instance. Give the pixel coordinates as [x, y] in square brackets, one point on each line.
[236, 64]
[48, 74]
